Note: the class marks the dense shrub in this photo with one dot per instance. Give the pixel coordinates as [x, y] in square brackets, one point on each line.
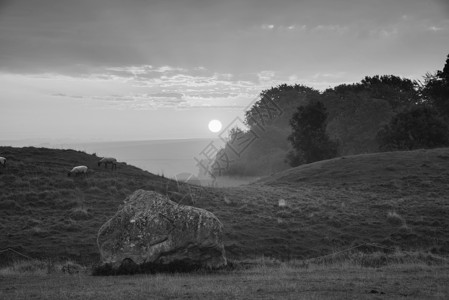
[395, 219]
[416, 128]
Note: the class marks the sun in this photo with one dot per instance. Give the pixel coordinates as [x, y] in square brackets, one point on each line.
[214, 125]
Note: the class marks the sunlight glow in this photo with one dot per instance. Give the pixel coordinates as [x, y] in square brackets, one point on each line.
[215, 126]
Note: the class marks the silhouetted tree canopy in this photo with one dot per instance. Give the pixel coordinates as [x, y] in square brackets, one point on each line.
[309, 138]
[399, 92]
[350, 119]
[354, 120]
[436, 90]
[262, 148]
[277, 104]
[416, 128]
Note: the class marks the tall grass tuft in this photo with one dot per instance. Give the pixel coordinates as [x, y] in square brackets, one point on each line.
[395, 219]
[80, 213]
[42, 267]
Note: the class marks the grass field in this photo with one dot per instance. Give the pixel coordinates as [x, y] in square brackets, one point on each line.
[361, 227]
[405, 276]
[45, 213]
[395, 200]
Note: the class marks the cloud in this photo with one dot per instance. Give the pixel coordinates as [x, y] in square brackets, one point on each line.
[435, 28]
[60, 95]
[335, 29]
[282, 28]
[164, 69]
[383, 32]
[130, 70]
[211, 95]
[136, 101]
[147, 88]
[267, 26]
[265, 76]
[166, 95]
[335, 75]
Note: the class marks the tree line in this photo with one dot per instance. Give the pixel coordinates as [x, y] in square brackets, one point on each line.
[292, 125]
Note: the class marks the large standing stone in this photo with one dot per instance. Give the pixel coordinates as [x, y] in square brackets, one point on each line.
[149, 228]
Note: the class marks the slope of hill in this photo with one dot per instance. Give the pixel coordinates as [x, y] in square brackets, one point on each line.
[386, 168]
[392, 199]
[45, 213]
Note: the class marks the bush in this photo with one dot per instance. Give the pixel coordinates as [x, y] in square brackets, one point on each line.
[70, 267]
[395, 219]
[419, 127]
[80, 213]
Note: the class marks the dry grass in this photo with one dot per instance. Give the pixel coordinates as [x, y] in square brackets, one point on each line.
[41, 268]
[415, 278]
[395, 219]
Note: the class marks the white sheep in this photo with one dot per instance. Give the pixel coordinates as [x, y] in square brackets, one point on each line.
[80, 170]
[3, 161]
[108, 160]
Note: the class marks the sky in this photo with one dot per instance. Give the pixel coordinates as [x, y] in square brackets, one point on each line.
[110, 70]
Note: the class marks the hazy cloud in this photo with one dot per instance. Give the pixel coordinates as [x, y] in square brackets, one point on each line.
[166, 95]
[74, 37]
[147, 87]
[265, 76]
[94, 57]
[267, 26]
[335, 29]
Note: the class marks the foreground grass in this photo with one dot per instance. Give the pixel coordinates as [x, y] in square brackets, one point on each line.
[406, 275]
[262, 282]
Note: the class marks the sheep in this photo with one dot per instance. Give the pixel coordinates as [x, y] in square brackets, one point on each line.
[108, 160]
[3, 161]
[80, 170]
[282, 203]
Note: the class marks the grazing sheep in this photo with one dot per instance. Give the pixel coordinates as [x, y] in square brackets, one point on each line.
[282, 203]
[108, 160]
[3, 161]
[80, 170]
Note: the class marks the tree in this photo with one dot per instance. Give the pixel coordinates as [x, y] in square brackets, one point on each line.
[399, 92]
[358, 111]
[354, 121]
[419, 127]
[309, 138]
[436, 90]
[277, 104]
[261, 149]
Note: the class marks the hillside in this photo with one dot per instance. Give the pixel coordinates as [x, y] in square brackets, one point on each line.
[44, 213]
[392, 199]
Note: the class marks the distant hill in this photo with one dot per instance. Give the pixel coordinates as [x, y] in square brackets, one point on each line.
[406, 168]
[392, 199]
[168, 157]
